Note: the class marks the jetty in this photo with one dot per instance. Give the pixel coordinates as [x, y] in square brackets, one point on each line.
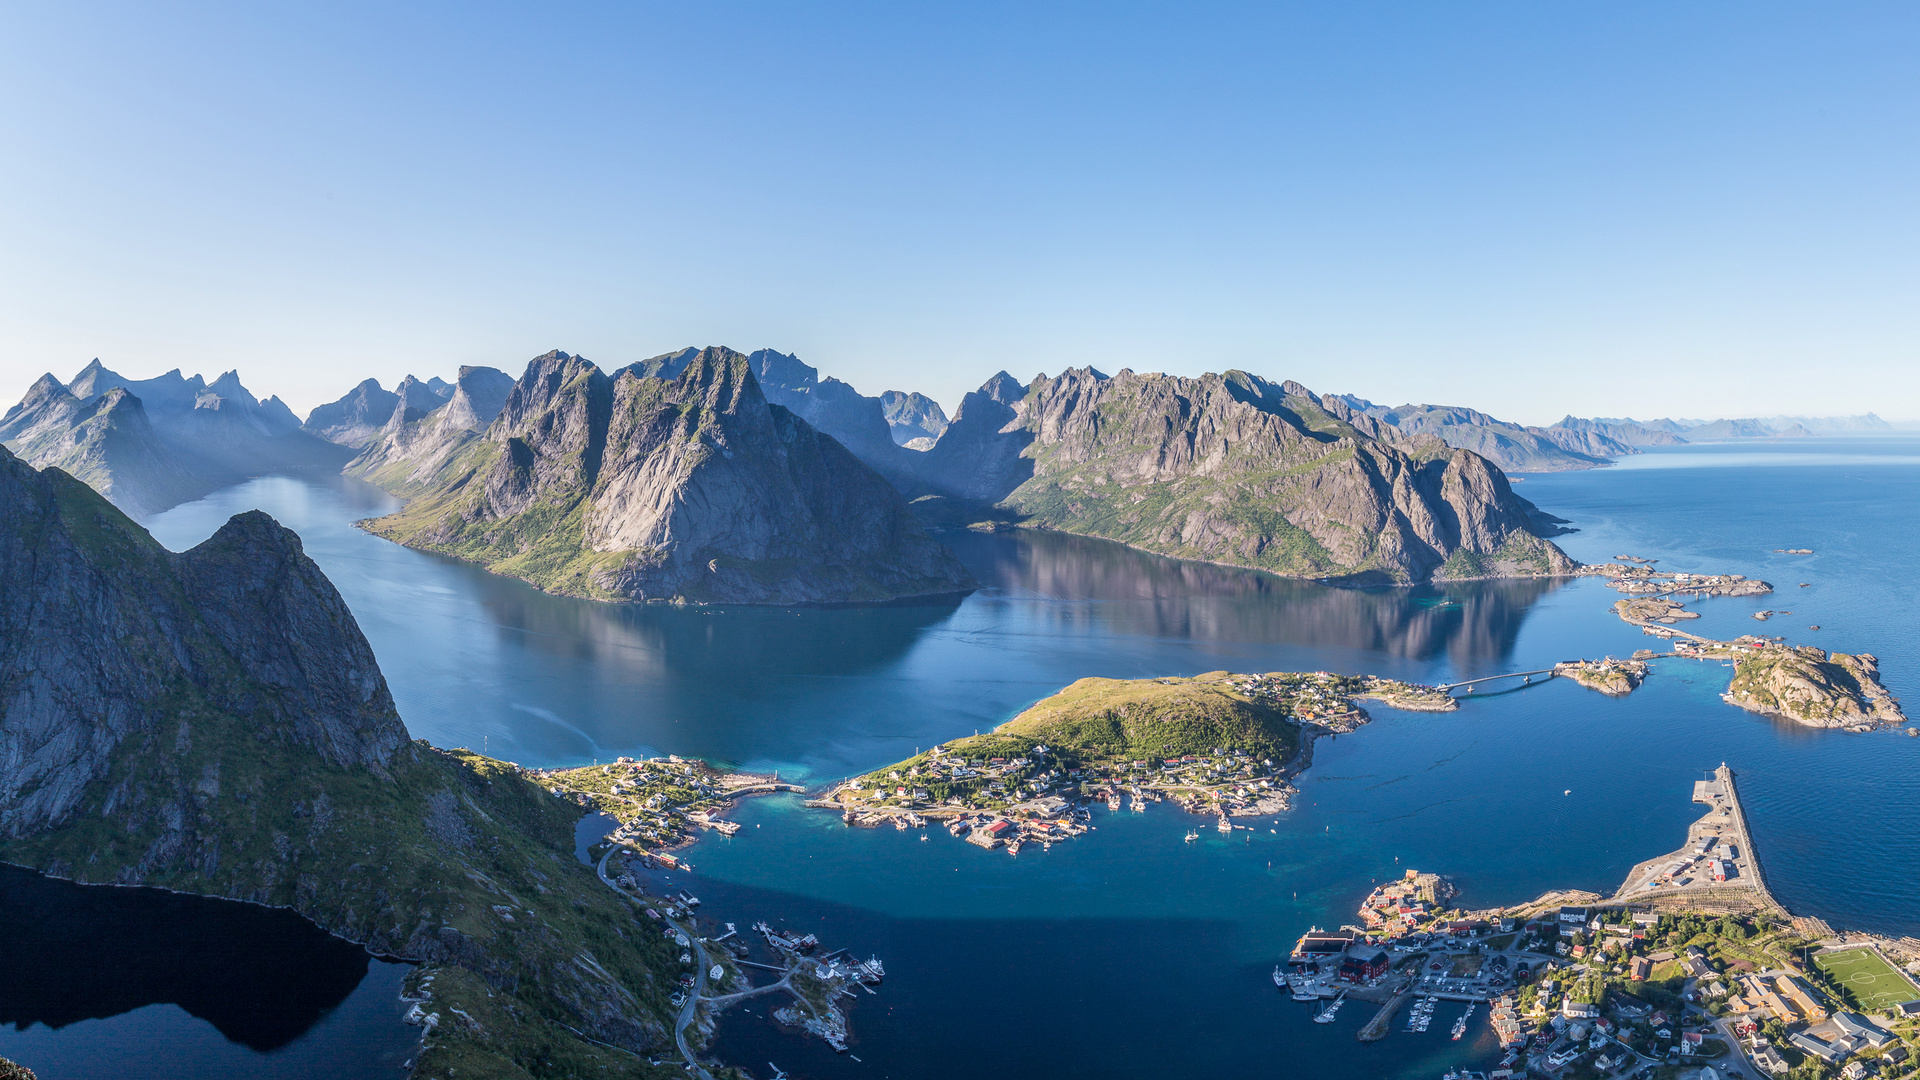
[1716, 870]
[1376, 1028]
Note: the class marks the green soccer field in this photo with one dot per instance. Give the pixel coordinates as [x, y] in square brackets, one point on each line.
[1875, 983]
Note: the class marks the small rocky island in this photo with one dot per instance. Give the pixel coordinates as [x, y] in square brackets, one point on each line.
[1813, 687]
[1220, 744]
[1801, 683]
[1615, 678]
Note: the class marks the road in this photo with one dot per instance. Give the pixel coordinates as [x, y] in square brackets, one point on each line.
[700, 965]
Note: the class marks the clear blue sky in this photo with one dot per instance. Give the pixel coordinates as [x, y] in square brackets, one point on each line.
[1655, 209]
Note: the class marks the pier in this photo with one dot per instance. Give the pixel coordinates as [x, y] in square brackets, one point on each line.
[1726, 823]
[1376, 1028]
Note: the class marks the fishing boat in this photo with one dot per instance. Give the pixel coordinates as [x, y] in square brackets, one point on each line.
[1225, 824]
[1279, 980]
[1460, 1025]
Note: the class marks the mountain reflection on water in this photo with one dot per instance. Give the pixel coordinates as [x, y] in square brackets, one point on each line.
[484, 661]
[1470, 622]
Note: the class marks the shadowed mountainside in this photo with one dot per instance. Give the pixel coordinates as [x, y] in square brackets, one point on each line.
[213, 722]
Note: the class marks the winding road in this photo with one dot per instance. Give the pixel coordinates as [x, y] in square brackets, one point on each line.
[700, 965]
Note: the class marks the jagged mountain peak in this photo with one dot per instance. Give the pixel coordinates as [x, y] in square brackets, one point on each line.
[674, 478]
[1003, 388]
[243, 623]
[1235, 469]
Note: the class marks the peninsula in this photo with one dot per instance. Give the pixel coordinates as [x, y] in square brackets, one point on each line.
[1219, 743]
[1233, 469]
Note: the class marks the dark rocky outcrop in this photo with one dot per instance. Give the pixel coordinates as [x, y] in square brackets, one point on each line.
[674, 479]
[148, 444]
[1234, 469]
[213, 722]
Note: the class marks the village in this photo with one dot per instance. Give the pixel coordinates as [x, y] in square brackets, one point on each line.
[659, 802]
[1690, 970]
[718, 969]
[1005, 791]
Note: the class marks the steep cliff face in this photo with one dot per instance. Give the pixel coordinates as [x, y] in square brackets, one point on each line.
[98, 618]
[148, 444]
[1234, 469]
[213, 722]
[981, 455]
[829, 406]
[690, 487]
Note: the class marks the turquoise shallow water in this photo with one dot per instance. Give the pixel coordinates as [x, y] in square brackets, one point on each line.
[1129, 953]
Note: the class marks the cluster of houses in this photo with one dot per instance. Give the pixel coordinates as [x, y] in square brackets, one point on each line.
[1407, 904]
[658, 801]
[1316, 697]
[1341, 954]
[1036, 792]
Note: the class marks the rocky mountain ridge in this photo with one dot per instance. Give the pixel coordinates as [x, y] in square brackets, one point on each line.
[673, 479]
[149, 444]
[1232, 468]
[411, 445]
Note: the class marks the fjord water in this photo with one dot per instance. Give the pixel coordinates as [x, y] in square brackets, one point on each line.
[1128, 952]
[138, 982]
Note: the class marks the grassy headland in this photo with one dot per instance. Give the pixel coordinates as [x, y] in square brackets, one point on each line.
[1219, 741]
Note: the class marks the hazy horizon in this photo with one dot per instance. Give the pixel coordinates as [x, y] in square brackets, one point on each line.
[1633, 210]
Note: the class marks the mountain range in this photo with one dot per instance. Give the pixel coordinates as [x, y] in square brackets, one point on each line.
[149, 444]
[1575, 443]
[1231, 468]
[213, 722]
[673, 479]
[780, 505]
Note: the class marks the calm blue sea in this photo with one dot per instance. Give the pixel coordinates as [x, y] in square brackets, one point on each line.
[1129, 953]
